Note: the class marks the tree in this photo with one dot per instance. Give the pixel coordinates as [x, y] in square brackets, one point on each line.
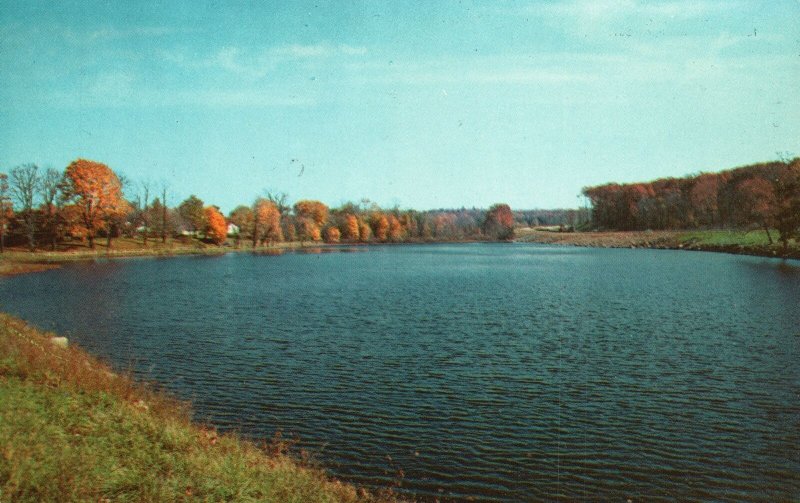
[266, 222]
[786, 213]
[5, 209]
[311, 216]
[757, 203]
[332, 235]
[51, 183]
[216, 227]
[143, 205]
[97, 194]
[499, 222]
[380, 226]
[280, 200]
[24, 187]
[395, 229]
[350, 227]
[192, 213]
[315, 211]
[242, 217]
[164, 210]
[364, 232]
[703, 199]
[309, 230]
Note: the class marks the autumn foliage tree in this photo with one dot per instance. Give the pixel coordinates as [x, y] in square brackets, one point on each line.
[760, 196]
[380, 226]
[757, 201]
[395, 229]
[216, 227]
[311, 217]
[332, 235]
[499, 222]
[315, 211]
[266, 222]
[96, 192]
[350, 227]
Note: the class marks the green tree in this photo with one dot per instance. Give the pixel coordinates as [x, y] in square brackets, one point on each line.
[192, 213]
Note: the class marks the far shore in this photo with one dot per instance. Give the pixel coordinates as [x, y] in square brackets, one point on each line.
[753, 243]
[19, 260]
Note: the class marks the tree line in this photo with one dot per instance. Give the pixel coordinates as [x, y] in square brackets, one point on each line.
[45, 208]
[760, 196]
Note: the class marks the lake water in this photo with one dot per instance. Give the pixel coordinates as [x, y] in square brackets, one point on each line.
[502, 372]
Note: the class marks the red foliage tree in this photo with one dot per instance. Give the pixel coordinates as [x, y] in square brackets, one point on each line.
[499, 222]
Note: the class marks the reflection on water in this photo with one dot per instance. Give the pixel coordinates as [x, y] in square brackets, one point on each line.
[494, 372]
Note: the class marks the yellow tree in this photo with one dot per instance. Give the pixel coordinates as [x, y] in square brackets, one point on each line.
[96, 192]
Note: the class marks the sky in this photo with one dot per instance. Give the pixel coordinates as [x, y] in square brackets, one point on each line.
[412, 104]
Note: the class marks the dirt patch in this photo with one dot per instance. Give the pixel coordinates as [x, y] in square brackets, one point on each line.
[13, 268]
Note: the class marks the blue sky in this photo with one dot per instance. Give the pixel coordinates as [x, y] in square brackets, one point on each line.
[416, 104]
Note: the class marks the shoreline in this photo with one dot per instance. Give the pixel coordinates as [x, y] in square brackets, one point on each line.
[76, 429]
[730, 242]
[15, 262]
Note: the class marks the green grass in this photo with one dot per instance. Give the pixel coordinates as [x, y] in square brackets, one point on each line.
[728, 238]
[72, 430]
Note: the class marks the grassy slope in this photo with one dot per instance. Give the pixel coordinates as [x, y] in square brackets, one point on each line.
[71, 430]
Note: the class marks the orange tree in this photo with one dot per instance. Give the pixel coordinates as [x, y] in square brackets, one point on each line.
[96, 192]
[216, 226]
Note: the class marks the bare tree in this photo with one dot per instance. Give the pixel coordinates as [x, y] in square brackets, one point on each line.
[143, 202]
[164, 224]
[279, 199]
[24, 186]
[50, 186]
[5, 209]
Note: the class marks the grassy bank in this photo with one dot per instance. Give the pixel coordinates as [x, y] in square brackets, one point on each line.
[72, 430]
[739, 242]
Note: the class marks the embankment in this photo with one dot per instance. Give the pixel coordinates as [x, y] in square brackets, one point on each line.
[71, 429]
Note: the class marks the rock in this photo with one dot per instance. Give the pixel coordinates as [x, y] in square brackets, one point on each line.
[61, 342]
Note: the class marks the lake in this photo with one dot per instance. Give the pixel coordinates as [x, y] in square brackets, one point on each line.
[500, 372]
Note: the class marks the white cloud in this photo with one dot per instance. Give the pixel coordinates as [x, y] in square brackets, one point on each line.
[603, 11]
[258, 63]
